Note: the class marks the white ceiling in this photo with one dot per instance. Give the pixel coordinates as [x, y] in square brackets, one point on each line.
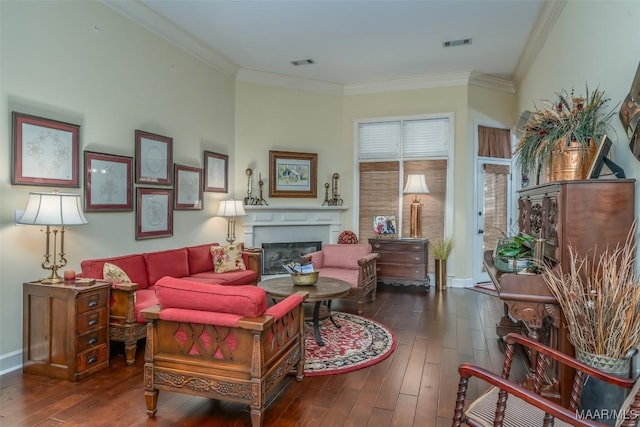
[351, 41]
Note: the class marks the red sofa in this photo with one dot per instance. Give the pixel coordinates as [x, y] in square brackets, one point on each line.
[193, 263]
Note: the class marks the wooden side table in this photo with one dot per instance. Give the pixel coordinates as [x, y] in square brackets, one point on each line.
[65, 329]
[402, 261]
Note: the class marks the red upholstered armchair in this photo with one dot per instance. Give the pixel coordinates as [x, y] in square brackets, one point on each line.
[221, 342]
[353, 263]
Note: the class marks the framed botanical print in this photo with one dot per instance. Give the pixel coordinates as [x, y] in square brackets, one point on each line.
[188, 187]
[216, 172]
[154, 216]
[45, 152]
[154, 158]
[292, 174]
[107, 182]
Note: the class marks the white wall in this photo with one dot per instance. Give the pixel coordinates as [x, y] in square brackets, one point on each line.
[595, 43]
[111, 81]
[283, 119]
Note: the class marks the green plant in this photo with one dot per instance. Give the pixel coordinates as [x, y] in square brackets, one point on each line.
[441, 248]
[515, 247]
[575, 118]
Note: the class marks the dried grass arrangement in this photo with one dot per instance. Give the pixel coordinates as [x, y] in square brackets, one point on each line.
[600, 298]
[441, 248]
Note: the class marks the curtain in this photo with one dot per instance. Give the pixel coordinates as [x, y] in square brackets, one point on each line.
[494, 142]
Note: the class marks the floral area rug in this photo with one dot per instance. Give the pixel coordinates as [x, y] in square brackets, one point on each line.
[358, 343]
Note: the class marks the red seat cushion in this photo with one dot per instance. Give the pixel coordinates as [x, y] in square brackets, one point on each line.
[231, 278]
[246, 300]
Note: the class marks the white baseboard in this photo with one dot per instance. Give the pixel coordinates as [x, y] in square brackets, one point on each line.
[462, 283]
[10, 362]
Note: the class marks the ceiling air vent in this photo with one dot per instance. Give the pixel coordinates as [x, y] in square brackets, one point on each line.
[452, 43]
[303, 62]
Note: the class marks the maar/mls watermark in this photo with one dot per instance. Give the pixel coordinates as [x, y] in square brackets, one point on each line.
[607, 414]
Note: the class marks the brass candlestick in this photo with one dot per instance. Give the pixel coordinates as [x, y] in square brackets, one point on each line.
[249, 200]
[335, 199]
[260, 200]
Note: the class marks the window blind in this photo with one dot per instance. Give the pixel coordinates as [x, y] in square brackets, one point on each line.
[403, 139]
[379, 140]
[423, 138]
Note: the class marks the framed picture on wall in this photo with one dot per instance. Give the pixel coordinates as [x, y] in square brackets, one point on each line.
[154, 213]
[154, 158]
[45, 152]
[188, 187]
[216, 172]
[107, 182]
[292, 174]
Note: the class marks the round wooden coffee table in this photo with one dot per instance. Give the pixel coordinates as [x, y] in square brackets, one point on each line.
[325, 289]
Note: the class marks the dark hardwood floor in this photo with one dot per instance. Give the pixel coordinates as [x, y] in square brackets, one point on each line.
[416, 386]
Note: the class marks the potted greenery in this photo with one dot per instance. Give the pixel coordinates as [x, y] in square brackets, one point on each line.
[569, 127]
[513, 254]
[441, 249]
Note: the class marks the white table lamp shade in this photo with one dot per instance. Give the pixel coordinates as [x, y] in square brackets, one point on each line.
[56, 209]
[231, 208]
[416, 184]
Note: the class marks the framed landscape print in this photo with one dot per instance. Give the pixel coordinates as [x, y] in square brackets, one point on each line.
[292, 174]
[154, 216]
[216, 172]
[107, 182]
[45, 152]
[154, 158]
[188, 187]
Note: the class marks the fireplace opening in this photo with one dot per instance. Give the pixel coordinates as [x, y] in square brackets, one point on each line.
[274, 255]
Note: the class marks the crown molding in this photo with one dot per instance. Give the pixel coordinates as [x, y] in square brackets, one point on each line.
[548, 14]
[410, 83]
[491, 82]
[280, 80]
[160, 26]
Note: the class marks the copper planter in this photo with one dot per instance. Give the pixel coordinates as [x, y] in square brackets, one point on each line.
[570, 161]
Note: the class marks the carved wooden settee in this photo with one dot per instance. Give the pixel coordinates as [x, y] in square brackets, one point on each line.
[355, 264]
[221, 342]
[130, 297]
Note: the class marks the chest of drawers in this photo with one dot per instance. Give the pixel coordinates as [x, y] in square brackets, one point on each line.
[402, 262]
[65, 329]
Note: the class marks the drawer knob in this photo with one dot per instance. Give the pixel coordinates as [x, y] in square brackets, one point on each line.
[92, 340]
[92, 359]
[92, 303]
[92, 322]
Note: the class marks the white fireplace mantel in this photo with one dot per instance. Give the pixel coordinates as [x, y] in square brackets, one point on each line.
[328, 217]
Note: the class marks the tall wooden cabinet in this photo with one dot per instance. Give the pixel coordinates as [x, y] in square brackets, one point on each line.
[65, 329]
[584, 214]
[587, 215]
